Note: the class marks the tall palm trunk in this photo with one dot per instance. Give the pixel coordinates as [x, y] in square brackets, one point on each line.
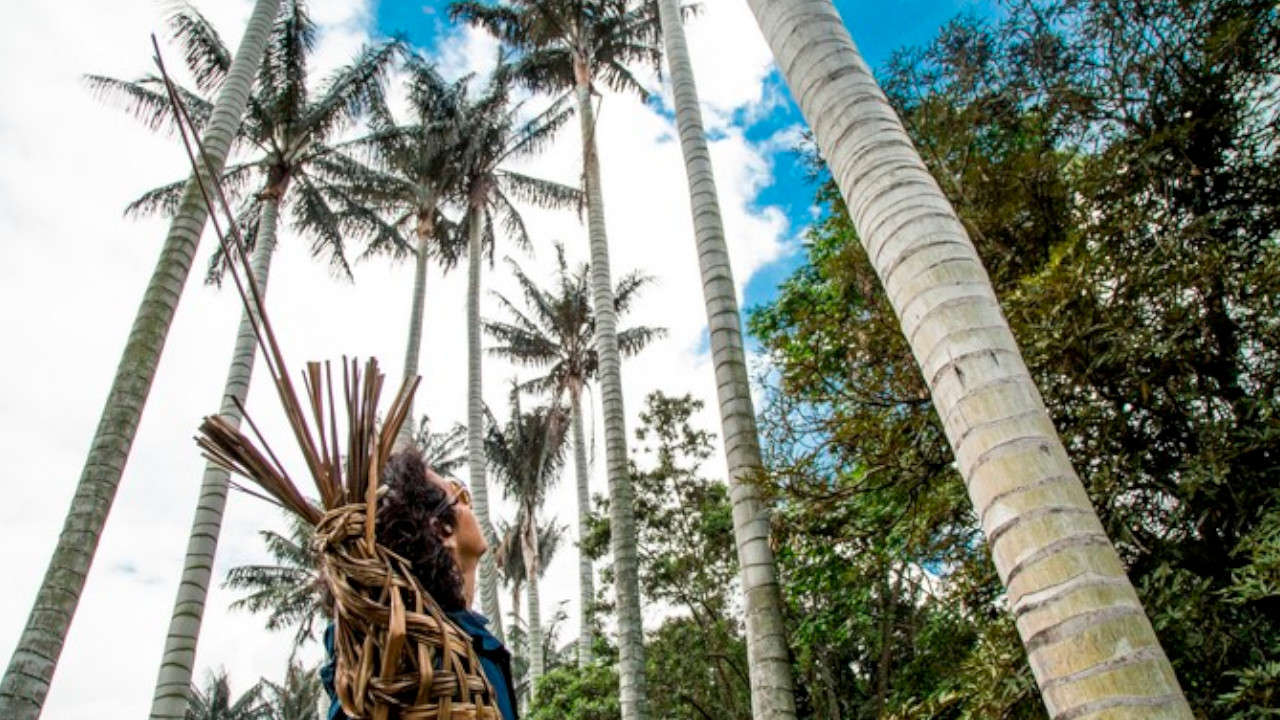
[475, 426]
[772, 691]
[26, 681]
[173, 686]
[1090, 646]
[532, 565]
[631, 678]
[424, 230]
[586, 579]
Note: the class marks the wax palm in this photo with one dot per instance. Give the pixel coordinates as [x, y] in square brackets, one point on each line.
[570, 45]
[215, 702]
[288, 590]
[446, 452]
[526, 455]
[556, 332]
[297, 698]
[26, 680]
[415, 176]
[289, 129]
[495, 136]
[509, 555]
[772, 689]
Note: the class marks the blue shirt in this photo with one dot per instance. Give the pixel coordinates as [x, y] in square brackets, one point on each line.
[495, 660]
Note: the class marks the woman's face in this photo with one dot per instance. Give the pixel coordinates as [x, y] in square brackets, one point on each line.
[467, 542]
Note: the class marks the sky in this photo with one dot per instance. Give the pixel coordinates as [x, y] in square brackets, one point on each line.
[72, 270]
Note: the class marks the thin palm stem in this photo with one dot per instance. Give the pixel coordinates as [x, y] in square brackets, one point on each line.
[772, 689]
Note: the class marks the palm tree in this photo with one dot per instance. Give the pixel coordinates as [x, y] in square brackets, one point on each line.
[572, 45]
[290, 129]
[446, 451]
[26, 681]
[298, 697]
[510, 555]
[415, 176]
[557, 332]
[494, 136]
[526, 455]
[287, 590]
[772, 688]
[1090, 645]
[214, 702]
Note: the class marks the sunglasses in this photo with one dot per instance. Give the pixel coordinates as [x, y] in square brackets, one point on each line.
[461, 493]
[458, 493]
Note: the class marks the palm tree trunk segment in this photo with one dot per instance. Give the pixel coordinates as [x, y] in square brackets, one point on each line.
[26, 681]
[413, 347]
[586, 576]
[621, 496]
[772, 690]
[475, 428]
[173, 686]
[1089, 643]
[532, 563]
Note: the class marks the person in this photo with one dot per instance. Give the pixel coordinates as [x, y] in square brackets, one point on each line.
[428, 520]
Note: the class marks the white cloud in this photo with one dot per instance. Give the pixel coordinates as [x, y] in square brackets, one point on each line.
[72, 273]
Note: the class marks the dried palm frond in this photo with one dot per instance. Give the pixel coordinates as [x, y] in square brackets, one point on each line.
[398, 656]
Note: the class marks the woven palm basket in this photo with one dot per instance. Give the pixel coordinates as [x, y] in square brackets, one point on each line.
[397, 654]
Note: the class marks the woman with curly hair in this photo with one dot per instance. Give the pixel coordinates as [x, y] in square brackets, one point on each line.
[427, 520]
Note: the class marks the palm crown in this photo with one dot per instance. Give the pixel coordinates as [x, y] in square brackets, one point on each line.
[287, 128]
[556, 330]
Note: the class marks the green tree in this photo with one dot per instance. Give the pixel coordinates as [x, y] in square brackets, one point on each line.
[291, 131]
[526, 455]
[26, 680]
[571, 46]
[297, 698]
[556, 332]
[1059, 568]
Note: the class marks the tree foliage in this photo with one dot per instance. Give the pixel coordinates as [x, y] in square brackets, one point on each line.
[1115, 164]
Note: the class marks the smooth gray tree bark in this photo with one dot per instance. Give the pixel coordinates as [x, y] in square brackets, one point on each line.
[1090, 645]
[475, 427]
[30, 671]
[631, 674]
[772, 688]
[586, 575]
[414, 346]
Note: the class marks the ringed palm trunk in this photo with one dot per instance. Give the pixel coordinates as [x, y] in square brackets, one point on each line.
[173, 687]
[586, 579]
[26, 681]
[1089, 643]
[412, 350]
[475, 427]
[772, 691]
[532, 563]
[631, 677]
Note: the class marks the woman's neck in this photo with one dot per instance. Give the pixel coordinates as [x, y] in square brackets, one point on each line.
[467, 568]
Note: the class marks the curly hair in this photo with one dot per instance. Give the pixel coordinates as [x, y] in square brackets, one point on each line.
[411, 513]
